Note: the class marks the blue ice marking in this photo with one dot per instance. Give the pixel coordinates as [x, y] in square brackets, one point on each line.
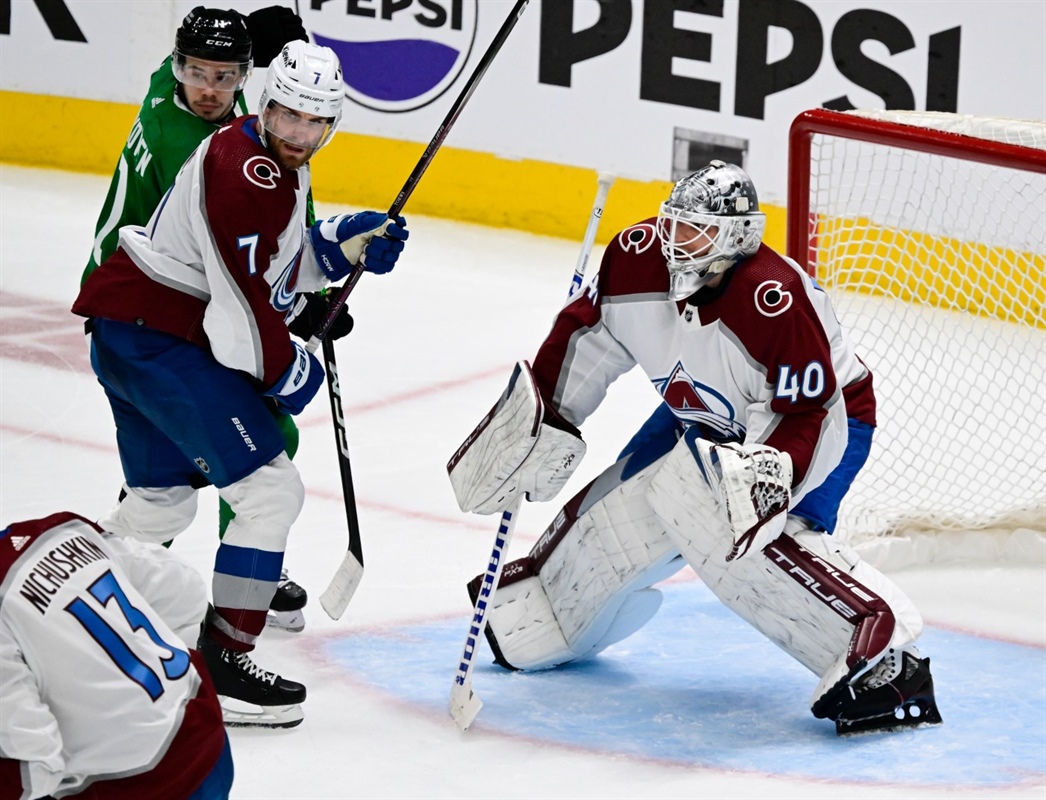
[699, 686]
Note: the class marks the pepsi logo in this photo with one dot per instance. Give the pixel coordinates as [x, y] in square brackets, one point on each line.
[396, 55]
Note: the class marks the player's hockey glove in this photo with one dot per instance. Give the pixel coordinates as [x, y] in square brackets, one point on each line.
[752, 483]
[298, 385]
[311, 312]
[368, 239]
[270, 29]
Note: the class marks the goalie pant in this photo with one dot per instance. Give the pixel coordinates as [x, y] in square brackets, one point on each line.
[587, 583]
[92, 639]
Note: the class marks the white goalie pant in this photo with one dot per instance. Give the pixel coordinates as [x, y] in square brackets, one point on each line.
[811, 595]
[586, 583]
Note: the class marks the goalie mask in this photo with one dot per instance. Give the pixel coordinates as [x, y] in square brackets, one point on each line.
[303, 83]
[710, 221]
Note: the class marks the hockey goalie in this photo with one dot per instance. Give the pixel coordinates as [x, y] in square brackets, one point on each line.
[766, 416]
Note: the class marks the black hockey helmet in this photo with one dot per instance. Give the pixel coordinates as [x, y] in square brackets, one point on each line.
[211, 34]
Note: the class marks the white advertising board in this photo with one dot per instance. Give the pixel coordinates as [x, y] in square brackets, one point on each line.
[628, 86]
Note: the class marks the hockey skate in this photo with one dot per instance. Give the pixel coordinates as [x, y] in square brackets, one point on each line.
[896, 693]
[286, 608]
[249, 695]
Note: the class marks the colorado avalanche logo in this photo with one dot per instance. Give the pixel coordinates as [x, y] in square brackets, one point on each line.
[395, 56]
[693, 402]
[637, 239]
[771, 299]
[283, 292]
[261, 171]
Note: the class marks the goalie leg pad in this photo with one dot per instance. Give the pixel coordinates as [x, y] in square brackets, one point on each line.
[820, 603]
[584, 585]
[520, 446]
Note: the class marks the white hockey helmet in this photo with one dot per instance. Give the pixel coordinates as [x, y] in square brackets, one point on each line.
[305, 78]
[710, 221]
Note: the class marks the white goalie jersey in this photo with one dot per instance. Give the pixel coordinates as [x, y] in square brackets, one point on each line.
[95, 679]
[761, 360]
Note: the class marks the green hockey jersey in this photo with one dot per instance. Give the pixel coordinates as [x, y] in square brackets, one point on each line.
[163, 136]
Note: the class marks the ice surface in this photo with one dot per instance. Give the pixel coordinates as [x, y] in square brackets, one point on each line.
[695, 705]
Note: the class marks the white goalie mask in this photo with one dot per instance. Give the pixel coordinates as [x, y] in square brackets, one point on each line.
[710, 221]
[304, 78]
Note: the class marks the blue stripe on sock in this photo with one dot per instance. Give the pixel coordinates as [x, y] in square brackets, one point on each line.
[248, 562]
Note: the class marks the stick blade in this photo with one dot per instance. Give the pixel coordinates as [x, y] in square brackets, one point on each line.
[342, 586]
[464, 704]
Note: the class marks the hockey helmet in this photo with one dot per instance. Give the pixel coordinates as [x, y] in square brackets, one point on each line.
[304, 78]
[214, 36]
[710, 221]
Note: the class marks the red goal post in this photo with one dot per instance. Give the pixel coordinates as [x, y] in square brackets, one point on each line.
[928, 230]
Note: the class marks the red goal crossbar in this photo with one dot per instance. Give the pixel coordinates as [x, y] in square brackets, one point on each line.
[910, 137]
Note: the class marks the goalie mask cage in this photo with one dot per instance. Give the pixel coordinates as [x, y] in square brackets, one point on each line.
[928, 231]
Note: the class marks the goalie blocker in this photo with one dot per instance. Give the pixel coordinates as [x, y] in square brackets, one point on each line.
[588, 582]
[521, 445]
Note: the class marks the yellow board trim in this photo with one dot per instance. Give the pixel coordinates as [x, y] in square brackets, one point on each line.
[941, 271]
[365, 172]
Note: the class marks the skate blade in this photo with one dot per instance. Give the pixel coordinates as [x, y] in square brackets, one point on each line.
[293, 621]
[238, 714]
[917, 714]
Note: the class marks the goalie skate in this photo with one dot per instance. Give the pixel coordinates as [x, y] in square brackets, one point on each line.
[249, 695]
[896, 693]
[286, 608]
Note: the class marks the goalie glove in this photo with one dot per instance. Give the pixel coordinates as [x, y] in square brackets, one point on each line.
[752, 483]
[522, 445]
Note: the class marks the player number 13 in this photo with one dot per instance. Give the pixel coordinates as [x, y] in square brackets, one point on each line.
[103, 590]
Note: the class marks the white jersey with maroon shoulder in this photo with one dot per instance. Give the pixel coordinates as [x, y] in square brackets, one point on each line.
[222, 257]
[94, 679]
[761, 358]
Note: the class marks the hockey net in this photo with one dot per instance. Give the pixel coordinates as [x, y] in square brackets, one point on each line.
[928, 230]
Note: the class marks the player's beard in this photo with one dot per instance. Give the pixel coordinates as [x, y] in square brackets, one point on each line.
[289, 156]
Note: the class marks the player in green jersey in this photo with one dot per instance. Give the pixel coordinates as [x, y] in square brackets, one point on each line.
[196, 90]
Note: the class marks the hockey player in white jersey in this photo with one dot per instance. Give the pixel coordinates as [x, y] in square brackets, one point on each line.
[100, 695]
[190, 341]
[766, 416]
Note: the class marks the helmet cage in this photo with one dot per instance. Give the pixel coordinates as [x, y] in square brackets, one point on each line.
[694, 258]
[721, 196]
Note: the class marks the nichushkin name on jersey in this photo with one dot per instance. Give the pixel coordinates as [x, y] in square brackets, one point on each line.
[54, 569]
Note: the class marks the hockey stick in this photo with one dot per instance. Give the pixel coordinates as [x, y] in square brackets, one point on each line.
[335, 599]
[464, 702]
[430, 152]
[605, 180]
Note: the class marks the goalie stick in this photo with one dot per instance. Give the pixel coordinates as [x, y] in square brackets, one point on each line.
[335, 599]
[464, 702]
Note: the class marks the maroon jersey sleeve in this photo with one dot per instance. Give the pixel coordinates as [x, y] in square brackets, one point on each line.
[767, 308]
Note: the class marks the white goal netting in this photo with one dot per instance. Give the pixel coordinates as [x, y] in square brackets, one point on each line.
[929, 232]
